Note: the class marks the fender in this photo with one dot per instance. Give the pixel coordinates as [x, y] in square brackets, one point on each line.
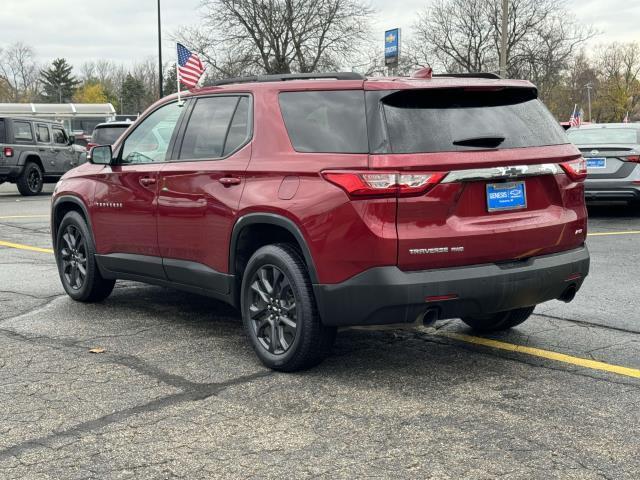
[23, 157]
[67, 199]
[271, 219]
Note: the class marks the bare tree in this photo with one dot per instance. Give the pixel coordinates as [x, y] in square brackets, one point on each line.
[20, 72]
[278, 36]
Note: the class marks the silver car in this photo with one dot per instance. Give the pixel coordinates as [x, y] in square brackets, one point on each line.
[612, 152]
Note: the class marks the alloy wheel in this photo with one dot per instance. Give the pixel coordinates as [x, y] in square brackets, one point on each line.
[73, 254]
[273, 310]
[34, 179]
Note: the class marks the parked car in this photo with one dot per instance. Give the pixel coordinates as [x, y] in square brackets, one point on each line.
[34, 152]
[107, 133]
[612, 152]
[323, 200]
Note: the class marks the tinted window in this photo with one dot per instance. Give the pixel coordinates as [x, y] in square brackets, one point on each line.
[107, 135]
[42, 134]
[149, 142]
[3, 136]
[603, 135]
[207, 129]
[22, 132]
[445, 120]
[59, 136]
[239, 129]
[326, 121]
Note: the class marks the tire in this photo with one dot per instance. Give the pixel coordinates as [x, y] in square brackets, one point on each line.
[276, 296]
[499, 321]
[30, 180]
[75, 252]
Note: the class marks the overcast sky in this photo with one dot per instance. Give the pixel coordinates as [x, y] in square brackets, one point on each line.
[125, 30]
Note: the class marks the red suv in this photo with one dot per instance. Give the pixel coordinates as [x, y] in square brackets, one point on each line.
[325, 200]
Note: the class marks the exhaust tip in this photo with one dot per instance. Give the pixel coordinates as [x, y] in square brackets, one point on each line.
[430, 317]
[569, 294]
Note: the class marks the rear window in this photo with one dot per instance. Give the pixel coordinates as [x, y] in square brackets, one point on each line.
[326, 121]
[603, 135]
[447, 120]
[107, 135]
[22, 132]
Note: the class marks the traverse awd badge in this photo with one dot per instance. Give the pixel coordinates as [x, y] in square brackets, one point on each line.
[428, 251]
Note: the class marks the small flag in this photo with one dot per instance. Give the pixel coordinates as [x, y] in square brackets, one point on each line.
[576, 118]
[190, 67]
[626, 118]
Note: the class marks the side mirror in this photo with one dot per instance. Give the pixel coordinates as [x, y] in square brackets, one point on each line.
[101, 155]
[72, 139]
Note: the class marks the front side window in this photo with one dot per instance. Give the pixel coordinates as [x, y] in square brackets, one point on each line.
[149, 142]
[22, 132]
[326, 121]
[59, 136]
[209, 126]
[42, 134]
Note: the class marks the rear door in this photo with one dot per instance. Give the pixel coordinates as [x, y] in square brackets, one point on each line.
[200, 192]
[503, 196]
[45, 148]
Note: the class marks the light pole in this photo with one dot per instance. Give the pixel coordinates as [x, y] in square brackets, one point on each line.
[588, 86]
[160, 77]
[503, 39]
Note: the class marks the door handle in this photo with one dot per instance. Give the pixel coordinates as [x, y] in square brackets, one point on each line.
[229, 181]
[42, 149]
[146, 181]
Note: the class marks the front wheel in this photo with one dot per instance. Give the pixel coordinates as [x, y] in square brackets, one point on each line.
[279, 311]
[75, 256]
[499, 321]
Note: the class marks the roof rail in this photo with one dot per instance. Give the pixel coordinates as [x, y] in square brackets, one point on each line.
[469, 75]
[290, 76]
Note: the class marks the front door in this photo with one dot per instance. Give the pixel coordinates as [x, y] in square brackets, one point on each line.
[200, 191]
[125, 201]
[62, 151]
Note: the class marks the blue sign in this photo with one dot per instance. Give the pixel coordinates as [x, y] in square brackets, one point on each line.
[506, 196]
[391, 46]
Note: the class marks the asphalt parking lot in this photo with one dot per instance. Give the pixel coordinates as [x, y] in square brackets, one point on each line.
[178, 392]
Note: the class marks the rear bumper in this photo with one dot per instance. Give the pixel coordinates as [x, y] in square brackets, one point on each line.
[386, 295]
[10, 172]
[622, 193]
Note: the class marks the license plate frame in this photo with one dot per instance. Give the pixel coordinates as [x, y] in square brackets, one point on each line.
[506, 196]
[596, 163]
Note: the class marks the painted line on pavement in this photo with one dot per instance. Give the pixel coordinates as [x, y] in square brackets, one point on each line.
[547, 354]
[20, 246]
[602, 234]
[9, 217]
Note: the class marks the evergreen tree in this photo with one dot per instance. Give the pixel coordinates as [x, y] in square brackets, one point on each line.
[58, 82]
[133, 92]
[170, 81]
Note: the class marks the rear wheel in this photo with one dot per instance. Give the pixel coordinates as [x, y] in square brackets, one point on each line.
[30, 180]
[75, 256]
[279, 311]
[499, 321]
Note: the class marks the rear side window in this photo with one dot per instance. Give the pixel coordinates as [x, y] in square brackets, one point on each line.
[327, 121]
[107, 135]
[206, 132]
[42, 134]
[446, 120]
[3, 136]
[22, 132]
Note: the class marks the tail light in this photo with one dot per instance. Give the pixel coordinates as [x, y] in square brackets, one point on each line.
[384, 184]
[633, 158]
[7, 152]
[576, 169]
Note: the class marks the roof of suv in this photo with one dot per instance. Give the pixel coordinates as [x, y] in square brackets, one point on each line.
[31, 119]
[635, 126]
[353, 81]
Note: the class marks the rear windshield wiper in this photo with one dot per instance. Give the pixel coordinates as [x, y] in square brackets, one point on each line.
[485, 141]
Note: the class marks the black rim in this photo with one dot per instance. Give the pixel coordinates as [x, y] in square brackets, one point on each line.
[33, 179]
[273, 310]
[73, 254]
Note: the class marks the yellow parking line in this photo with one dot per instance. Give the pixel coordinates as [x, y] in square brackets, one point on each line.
[602, 234]
[19, 246]
[537, 352]
[23, 216]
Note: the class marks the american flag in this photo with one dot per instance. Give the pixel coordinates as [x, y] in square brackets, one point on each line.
[576, 119]
[190, 67]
